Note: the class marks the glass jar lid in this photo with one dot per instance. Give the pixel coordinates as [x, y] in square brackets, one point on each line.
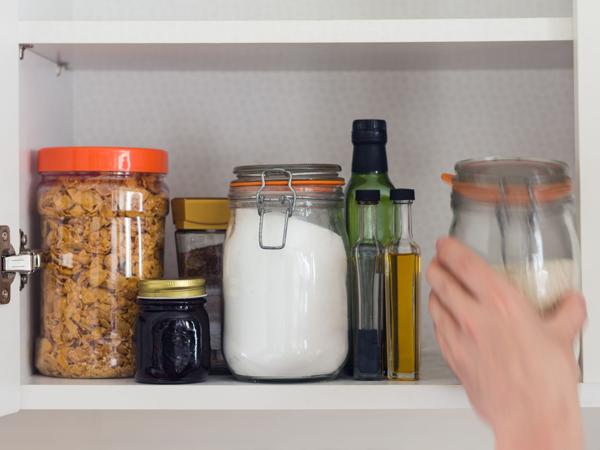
[102, 159]
[183, 288]
[279, 173]
[511, 171]
[510, 180]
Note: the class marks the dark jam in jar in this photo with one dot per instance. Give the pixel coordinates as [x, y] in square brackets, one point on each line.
[172, 332]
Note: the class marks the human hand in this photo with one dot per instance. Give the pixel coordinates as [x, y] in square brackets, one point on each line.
[518, 368]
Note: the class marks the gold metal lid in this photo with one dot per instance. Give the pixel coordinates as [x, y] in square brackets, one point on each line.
[173, 289]
[200, 213]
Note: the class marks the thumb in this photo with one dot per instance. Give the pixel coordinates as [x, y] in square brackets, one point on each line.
[569, 316]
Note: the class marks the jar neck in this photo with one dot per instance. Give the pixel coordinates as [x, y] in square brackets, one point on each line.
[171, 304]
[367, 222]
[403, 220]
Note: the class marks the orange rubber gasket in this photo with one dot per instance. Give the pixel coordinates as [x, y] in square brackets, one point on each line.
[512, 194]
[285, 183]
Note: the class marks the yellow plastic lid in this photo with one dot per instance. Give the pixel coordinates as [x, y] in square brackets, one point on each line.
[200, 213]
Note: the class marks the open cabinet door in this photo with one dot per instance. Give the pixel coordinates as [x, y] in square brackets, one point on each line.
[587, 78]
[9, 202]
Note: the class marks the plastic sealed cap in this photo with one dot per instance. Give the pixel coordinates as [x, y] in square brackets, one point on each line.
[368, 196]
[399, 195]
[200, 213]
[102, 159]
[369, 131]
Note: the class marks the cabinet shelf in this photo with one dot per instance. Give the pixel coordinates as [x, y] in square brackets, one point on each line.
[224, 393]
[296, 31]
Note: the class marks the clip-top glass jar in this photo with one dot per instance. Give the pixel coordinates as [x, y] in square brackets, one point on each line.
[518, 214]
[285, 273]
[103, 215]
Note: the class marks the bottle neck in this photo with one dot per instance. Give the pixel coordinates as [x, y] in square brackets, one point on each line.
[369, 158]
[368, 222]
[403, 221]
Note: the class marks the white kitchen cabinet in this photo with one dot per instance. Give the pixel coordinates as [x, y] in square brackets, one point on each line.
[275, 84]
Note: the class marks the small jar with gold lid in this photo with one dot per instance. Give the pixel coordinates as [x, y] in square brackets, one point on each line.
[172, 332]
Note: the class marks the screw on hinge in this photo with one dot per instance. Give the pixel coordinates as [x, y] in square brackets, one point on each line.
[4, 236]
[4, 294]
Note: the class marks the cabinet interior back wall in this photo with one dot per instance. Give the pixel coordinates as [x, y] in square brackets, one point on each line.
[213, 120]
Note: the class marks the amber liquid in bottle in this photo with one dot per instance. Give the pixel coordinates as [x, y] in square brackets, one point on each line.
[403, 324]
[402, 271]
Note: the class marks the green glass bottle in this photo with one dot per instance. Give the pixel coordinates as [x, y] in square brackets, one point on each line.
[369, 171]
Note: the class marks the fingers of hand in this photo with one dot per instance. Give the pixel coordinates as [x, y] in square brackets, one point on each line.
[470, 269]
[447, 330]
[568, 318]
[459, 303]
[473, 273]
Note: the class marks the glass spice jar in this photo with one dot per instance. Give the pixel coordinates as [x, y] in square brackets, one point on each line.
[201, 225]
[102, 221]
[172, 333]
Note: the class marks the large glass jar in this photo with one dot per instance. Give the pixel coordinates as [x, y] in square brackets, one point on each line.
[201, 225]
[285, 273]
[519, 215]
[102, 222]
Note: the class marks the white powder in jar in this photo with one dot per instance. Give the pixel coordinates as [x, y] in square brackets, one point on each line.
[544, 286]
[286, 311]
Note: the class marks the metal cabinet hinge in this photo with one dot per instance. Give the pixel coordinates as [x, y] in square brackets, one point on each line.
[23, 264]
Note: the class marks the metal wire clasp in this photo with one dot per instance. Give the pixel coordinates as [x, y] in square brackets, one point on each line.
[287, 201]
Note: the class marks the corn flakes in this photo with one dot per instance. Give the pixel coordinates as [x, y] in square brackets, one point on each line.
[100, 235]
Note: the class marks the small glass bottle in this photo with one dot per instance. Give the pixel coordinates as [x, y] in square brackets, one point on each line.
[402, 269]
[369, 312]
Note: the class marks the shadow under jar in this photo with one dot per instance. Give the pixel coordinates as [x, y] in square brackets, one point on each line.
[285, 267]
[519, 215]
[172, 333]
[102, 220]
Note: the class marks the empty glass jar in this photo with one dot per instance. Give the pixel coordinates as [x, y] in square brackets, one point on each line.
[519, 215]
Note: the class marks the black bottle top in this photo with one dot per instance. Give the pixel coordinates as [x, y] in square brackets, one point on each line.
[369, 137]
[400, 195]
[367, 196]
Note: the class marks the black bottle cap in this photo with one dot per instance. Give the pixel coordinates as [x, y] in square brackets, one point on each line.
[399, 195]
[369, 131]
[369, 137]
[367, 196]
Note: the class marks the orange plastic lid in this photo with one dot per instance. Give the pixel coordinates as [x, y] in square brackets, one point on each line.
[102, 159]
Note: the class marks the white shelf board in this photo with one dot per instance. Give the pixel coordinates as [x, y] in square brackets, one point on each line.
[296, 31]
[439, 389]
[224, 393]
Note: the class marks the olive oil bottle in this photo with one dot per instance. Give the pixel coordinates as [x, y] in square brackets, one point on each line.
[402, 271]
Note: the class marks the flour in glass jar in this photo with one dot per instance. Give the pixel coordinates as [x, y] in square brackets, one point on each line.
[286, 311]
[544, 286]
